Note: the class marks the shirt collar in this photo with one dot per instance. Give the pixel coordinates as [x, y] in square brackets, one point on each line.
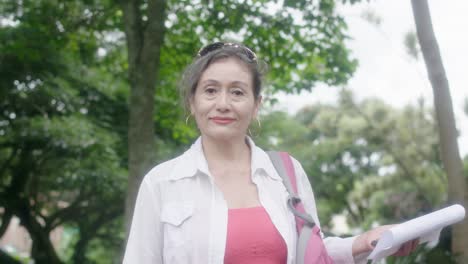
[193, 162]
[261, 162]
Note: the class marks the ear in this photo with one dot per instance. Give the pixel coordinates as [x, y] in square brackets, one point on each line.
[258, 103]
[192, 108]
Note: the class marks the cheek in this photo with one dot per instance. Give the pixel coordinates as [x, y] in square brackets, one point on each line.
[194, 105]
[200, 109]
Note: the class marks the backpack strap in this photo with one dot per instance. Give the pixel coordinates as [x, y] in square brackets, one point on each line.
[310, 247]
[285, 168]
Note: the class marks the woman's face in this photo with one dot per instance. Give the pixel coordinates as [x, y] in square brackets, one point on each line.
[223, 103]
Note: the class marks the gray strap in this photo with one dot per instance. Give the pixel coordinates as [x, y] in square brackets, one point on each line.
[292, 201]
[278, 164]
[302, 241]
[293, 198]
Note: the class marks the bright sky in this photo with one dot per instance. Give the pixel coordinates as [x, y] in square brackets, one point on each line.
[386, 71]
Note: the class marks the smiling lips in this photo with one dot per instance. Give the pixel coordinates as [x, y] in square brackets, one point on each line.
[222, 120]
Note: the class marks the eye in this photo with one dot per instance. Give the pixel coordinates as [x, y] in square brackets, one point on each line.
[210, 90]
[237, 92]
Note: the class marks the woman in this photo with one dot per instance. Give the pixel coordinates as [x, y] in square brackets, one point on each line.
[222, 200]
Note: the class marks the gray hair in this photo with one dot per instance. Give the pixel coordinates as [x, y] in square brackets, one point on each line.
[195, 70]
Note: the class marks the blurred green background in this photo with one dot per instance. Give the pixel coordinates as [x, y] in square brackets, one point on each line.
[89, 102]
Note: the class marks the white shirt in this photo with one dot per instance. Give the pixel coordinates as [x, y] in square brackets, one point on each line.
[181, 216]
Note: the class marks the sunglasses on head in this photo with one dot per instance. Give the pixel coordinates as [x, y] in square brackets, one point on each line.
[219, 45]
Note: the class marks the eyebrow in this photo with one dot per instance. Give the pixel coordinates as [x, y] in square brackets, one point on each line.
[217, 82]
[209, 81]
[241, 83]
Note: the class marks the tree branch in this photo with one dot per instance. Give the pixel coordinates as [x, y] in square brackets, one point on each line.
[8, 161]
[65, 214]
[42, 248]
[89, 232]
[7, 215]
[355, 218]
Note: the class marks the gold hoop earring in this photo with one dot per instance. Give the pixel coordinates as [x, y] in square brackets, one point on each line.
[187, 119]
[258, 121]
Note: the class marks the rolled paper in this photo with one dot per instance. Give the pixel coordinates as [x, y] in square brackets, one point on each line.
[425, 228]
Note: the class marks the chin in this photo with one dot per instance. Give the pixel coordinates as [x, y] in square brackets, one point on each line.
[224, 135]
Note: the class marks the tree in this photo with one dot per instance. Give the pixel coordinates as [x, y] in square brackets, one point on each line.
[60, 131]
[449, 152]
[144, 40]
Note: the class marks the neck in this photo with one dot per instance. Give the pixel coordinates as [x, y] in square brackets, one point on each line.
[225, 151]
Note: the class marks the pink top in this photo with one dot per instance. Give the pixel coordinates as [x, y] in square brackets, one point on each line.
[252, 238]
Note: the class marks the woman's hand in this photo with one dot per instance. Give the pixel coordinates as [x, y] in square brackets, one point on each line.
[368, 240]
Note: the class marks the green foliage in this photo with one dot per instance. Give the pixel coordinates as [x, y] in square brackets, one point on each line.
[63, 129]
[372, 17]
[302, 42]
[368, 161]
[64, 95]
[412, 44]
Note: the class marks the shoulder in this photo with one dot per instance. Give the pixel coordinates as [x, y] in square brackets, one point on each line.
[164, 171]
[183, 166]
[296, 163]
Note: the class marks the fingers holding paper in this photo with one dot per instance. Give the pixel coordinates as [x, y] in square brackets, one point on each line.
[404, 238]
[407, 248]
[367, 241]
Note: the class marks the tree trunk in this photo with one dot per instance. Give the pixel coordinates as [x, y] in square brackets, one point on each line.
[79, 253]
[42, 251]
[144, 40]
[446, 122]
[17, 203]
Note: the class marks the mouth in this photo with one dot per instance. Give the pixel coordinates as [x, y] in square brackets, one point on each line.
[222, 120]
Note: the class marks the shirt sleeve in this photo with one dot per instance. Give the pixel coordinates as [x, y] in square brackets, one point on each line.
[144, 245]
[339, 249]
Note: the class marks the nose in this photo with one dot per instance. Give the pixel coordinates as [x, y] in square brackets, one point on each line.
[223, 101]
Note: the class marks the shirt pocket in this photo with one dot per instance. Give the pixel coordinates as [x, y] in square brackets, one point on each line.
[176, 224]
